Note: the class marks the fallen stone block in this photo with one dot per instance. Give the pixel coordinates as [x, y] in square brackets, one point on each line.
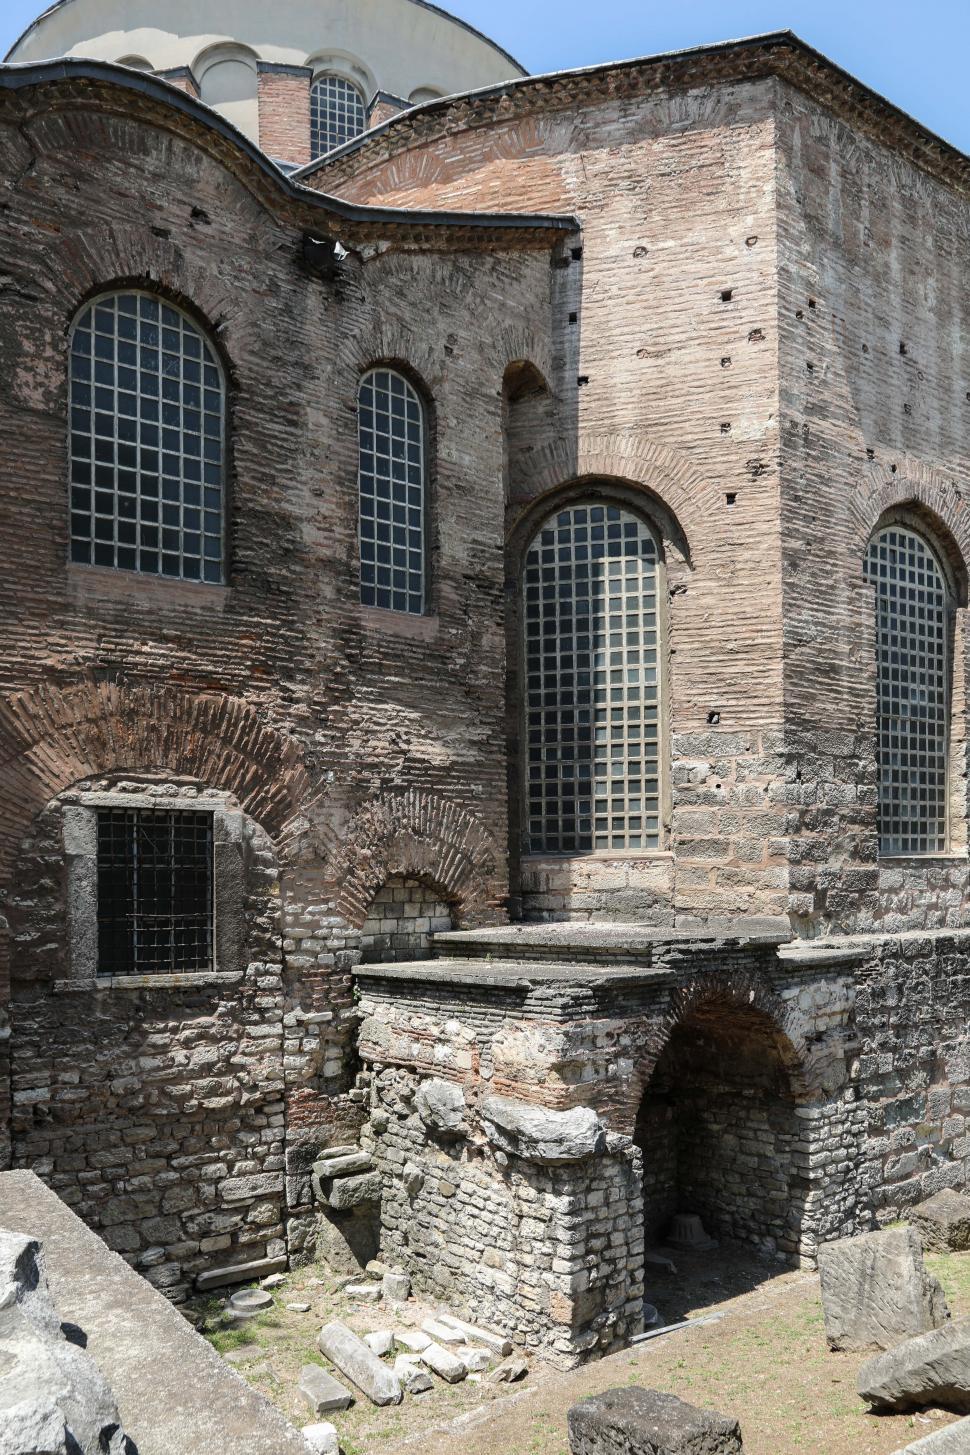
[381, 1342]
[932, 1369]
[238, 1273]
[275, 1280]
[322, 1439]
[353, 1358]
[346, 1240]
[510, 1371]
[249, 1303]
[412, 1341]
[350, 1192]
[414, 1379]
[476, 1361]
[396, 1286]
[498, 1342]
[441, 1107]
[876, 1291]
[550, 1138]
[444, 1363]
[298, 1308]
[943, 1222]
[636, 1421]
[442, 1333]
[321, 1391]
[364, 1292]
[951, 1440]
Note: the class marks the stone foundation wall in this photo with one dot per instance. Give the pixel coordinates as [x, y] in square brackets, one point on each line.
[553, 1256]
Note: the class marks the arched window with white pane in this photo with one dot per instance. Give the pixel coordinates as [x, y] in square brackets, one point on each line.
[147, 440]
[913, 608]
[592, 683]
[337, 113]
[392, 437]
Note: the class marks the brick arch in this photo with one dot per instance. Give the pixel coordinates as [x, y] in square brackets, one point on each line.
[52, 736]
[417, 835]
[518, 344]
[739, 994]
[662, 472]
[939, 499]
[393, 344]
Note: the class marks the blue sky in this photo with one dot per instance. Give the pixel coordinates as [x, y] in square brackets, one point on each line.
[914, 53]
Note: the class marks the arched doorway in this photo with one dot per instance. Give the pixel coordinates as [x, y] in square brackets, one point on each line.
[719, 1129]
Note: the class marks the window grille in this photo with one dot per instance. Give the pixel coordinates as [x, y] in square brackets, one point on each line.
[912, 691]
[391, 429]
[592, 688]
[337, 114]
[147, 401]
[154, 891]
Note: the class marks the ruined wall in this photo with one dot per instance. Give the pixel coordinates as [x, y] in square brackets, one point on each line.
[664, 381]
[403, 917]
[874, 356]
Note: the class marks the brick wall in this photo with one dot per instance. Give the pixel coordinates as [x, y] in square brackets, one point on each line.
[284, 112]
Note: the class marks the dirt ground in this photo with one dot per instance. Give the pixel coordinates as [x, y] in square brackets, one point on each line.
[764, 1360]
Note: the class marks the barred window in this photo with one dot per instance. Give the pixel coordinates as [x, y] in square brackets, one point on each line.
[147, 441]
[337, 114]
[912, 691]
[154, 891]
[592, 688]
[391, 432]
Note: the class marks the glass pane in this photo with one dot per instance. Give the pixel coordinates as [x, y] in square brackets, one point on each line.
[337, 114]
[391, 492]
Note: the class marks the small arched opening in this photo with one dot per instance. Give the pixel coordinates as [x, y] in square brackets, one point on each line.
[720, 1133]
[402, 919]
[526, 415]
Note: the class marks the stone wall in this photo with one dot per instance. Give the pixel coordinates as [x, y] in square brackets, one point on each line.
[401, 921]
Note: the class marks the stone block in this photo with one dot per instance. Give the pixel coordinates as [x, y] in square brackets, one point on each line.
[347, 1241]
[412, 1341]
[381, 1342]
[353, 1358]
[350, 1192]
[414, 1379]
[321, 1439]
[876, 1291]
[344, 1166]
[932, 1369]
[396, 1286]
[636, 1421]
[498, 1342]
[239, 1273]
[444, 1363]
[952, 1440]
[550, 1138]
[943, 1222]
[441, 1107]
[321, 1391]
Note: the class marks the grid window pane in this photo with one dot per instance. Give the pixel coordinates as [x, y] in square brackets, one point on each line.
[337, 114]
[391, 434]
[147, 413]
[592, 683]
[912, 691]
[154, 891]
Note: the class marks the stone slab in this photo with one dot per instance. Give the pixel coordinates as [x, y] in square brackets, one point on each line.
[239, 1273]
[353, 1358]
[931, 1370]
[876, 1291]
[321, 1391]
[444, 1363]
[322, 1439]
[412, 1341]
[141, 1342]
[951, 1440]
[943, 1222]
[350, 1192]
[634, 1421]
[498, 1342]
[345, 1166]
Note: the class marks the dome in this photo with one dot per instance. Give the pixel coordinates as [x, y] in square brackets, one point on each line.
[368, 51]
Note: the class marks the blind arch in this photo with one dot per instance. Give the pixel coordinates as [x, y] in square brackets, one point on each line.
[147, 399]
[913, 604]
[591, 631]
[392, 485]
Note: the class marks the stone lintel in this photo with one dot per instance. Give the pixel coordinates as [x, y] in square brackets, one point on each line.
[509, 974]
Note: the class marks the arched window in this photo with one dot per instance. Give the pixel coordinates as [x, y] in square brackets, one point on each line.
[592, 683]
[912, 691]
[391, 434]
[337, 113]
[147, 448]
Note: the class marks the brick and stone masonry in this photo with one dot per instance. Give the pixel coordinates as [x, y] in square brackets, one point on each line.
[748, 325]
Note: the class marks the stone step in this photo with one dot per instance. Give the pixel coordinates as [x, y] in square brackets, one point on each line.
[610, 943]
[508, 974]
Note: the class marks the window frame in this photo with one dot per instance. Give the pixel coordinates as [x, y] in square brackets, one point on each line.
[902, 521]
[327, 74]
[205, 332]
[80, 847]
[395, 370]
[586, 495]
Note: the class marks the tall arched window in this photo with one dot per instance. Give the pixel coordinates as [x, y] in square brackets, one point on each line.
[337, 113]
[391, 433]
[147, 447]
[912, 691]
[592, 683]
